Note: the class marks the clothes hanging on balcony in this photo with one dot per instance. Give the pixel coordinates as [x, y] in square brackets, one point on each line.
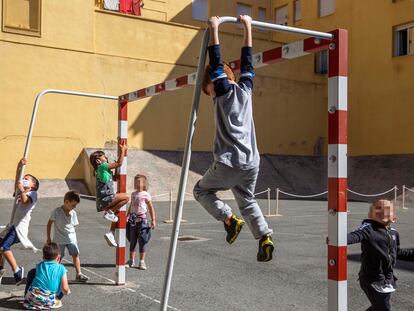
[112, 5]
[125, 6]
[136, 7]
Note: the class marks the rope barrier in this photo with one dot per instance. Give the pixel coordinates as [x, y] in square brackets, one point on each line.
[160, 195]
[264, 191]
[302, 196]
[373, 195]
[406, 188]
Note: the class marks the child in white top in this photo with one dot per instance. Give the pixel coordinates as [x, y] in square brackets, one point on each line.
[64, 220]
[18, 229]
[138, 229]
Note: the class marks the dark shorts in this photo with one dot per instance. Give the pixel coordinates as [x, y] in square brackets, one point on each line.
[102, 203]
[9, 239]
[138, 233]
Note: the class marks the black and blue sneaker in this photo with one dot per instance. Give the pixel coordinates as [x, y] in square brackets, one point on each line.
[234, 229]
[19, 275]
[266, 248]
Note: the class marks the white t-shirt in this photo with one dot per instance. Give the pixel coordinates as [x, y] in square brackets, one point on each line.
[64, 226]
[25, 211]
[139, 202]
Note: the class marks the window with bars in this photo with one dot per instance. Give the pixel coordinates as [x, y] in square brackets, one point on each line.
[403, 40]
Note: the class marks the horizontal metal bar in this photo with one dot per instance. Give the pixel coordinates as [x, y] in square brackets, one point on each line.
[280, 28]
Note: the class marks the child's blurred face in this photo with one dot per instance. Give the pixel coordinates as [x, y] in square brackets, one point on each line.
[383, 211]
[140, 184]
[69, 205]
[28, 182]
[102, 159]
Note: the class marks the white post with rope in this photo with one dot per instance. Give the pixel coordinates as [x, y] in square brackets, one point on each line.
[170, 211]
[268, 201]
[403, 196]
[395, 195]
[277, 202]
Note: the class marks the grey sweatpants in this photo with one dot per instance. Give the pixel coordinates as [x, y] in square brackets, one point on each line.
[220, 177]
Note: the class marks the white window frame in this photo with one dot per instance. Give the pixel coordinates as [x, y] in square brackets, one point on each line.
[410, 39]
[199, 10]
[297, 10]
[326, 7]
[286, 17]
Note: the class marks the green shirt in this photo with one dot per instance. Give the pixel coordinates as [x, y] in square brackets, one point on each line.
[103, 174]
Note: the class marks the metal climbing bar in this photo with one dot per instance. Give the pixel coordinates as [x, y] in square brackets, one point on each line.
[337, 43]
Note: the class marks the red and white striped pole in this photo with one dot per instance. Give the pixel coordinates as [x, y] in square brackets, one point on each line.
[120, 232]
[337, 171]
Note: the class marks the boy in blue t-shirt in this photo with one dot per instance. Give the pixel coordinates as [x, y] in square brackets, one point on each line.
[46, 284]
[236, 157]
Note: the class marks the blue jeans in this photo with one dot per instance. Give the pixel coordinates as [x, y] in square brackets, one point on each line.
[220, 177]
[9, 239]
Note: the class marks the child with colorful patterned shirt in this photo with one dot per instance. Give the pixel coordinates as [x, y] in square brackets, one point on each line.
[138, 229]
[17, 230]
[46, 285]
[107, 200]
[64, 220]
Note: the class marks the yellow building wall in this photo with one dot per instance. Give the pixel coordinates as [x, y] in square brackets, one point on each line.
[381, 87]
[86, 49]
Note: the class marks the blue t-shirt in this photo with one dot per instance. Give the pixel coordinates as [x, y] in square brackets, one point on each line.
[48, 276]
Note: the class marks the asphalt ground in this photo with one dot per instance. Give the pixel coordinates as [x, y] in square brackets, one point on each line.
[209, 274]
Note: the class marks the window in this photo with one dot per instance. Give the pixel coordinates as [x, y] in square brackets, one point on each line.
[22, 16]
[326, 7]
[297, 10]
[243, 9]
[281, 15]
[261, 15]
[403, 40]
[199, 10]
[321, 62]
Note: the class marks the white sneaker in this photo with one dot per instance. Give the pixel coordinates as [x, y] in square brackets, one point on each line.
[82, 278]
[142, 265]
[2, 272]
[110, 239]
[131, 263]
[109, 215]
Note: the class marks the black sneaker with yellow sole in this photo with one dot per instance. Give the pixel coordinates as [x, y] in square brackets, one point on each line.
[234, 229]
[266, 248]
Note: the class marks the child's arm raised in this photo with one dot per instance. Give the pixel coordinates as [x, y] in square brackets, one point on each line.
[246, 63]
[152, 214]
[217, 74]
[118, 163]
[18, 186]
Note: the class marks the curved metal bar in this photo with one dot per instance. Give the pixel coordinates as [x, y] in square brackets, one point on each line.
[33, 120]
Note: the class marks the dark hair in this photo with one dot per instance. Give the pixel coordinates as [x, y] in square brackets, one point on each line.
[50, 251]
[145, 179]
[71, 196]
[35, 181]
[93, 157]
[207, 80]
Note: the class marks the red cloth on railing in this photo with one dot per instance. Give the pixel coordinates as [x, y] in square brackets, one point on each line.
[136, 7]
[125, 6]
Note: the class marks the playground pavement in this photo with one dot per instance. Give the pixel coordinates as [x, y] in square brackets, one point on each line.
[208, 273]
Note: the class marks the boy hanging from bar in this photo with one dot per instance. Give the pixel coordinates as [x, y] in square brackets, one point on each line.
[236, 157]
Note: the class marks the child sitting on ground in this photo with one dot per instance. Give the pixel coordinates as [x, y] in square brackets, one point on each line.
[106, 199]
[380, 246]
[17, 230]
[46, 284]
[236, 157]
[138, 229]
[65, 219]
